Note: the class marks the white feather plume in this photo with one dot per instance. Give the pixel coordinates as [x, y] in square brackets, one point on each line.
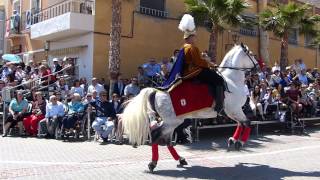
[187, 23]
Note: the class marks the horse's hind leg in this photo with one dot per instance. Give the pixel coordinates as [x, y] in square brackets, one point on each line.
[175, 155]
[155, 157]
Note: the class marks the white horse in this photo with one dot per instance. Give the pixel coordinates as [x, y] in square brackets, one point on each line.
[136, 116]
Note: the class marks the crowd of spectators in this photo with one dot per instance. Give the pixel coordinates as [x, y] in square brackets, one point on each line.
[38, 113]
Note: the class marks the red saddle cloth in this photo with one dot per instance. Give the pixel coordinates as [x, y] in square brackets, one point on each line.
[189, 97]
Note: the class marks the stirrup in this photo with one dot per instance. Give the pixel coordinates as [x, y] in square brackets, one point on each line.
[182, 161]
[152, 165]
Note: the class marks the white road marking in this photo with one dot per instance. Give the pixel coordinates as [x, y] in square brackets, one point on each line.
[241, 155]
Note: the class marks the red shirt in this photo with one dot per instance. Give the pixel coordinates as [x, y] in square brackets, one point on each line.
[293, 94]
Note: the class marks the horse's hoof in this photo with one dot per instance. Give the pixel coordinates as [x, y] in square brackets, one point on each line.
[238, 145]
[152, 165]
[230, 142]
[183, 161]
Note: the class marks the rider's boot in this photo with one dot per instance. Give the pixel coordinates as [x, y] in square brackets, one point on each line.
[182, 161]
[152, 165]
[219, 98]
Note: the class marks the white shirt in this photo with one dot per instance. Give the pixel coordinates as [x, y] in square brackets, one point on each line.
[97, 87]
[78, 90]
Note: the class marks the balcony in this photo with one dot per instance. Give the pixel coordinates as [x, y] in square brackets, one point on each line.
[69, 18]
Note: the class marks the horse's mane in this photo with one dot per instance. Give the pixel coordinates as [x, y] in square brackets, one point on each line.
[226, 62]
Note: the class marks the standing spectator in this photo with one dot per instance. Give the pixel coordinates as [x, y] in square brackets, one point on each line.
[275, 77]
[263, 73]
[17, 111]
[105, 114]
[276, 67]
[95, 86]
[77, 88]
[142, 77]
[56, 66]
[301, 64]
[119, 86]
[152, 68]
[20, 74]
[303, 77]
[166, 62]
[175, 56]
[296, 66]
[132, 88]
[84, 84]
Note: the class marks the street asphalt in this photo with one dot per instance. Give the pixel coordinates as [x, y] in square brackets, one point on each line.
[269, 156]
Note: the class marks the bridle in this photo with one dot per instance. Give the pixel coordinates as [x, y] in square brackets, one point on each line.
[247, 52]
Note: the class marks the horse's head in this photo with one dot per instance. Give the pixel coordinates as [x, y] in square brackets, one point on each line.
[240, 58]
[248, 61]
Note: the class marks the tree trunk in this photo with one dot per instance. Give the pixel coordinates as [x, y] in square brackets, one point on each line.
[115, 37]
[213, 41]
[284, 52]
[264, 45]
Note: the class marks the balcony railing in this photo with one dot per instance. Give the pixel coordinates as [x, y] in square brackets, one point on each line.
[75, 6]
[248, 32]
[26, 19]
[152, 12]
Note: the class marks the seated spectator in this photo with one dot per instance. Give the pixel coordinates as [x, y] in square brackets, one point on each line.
[132, 88]
[116, 102]
[275, 78]
[56, 66]
[175, 56]
[38, 112]
[315, 73]
[276, 67]
[54, 115]
[84, 84]
[95, 86]
[293, 96]
[17, 111]
[310, 77]
[105, 114]
[255, 101]
[166, 62]
[305, 99]
[76, 88]
[20, 74]
[62, 87]
[164, 72]
[74, 107]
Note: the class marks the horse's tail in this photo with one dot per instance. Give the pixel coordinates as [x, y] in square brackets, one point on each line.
[135, 117]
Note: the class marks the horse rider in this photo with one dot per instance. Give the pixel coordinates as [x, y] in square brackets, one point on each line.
[195, 67]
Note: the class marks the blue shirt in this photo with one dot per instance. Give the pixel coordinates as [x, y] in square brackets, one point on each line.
[152, 69]
[54, 110]
[75, 107]
[303, 79]
[18, 107]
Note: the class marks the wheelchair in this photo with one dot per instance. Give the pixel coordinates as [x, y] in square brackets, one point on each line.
[78, 130]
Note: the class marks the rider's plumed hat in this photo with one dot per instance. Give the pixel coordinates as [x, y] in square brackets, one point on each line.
[187, 26]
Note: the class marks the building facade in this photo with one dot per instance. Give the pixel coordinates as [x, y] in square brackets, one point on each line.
[81, 29]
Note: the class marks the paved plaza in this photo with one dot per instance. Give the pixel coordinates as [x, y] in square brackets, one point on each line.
[269, 156]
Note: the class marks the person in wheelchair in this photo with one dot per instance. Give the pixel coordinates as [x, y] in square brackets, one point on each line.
[74, 114]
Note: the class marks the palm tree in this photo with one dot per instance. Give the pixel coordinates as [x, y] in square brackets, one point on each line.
[284, 18]
[115, 37]
[217, 15]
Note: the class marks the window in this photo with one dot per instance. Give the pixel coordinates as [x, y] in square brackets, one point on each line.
[35, 6]
[308, 39]
[16, 6]
[153, 8]
[293, 36]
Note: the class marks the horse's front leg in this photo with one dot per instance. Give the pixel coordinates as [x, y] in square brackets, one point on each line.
[242, 132]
